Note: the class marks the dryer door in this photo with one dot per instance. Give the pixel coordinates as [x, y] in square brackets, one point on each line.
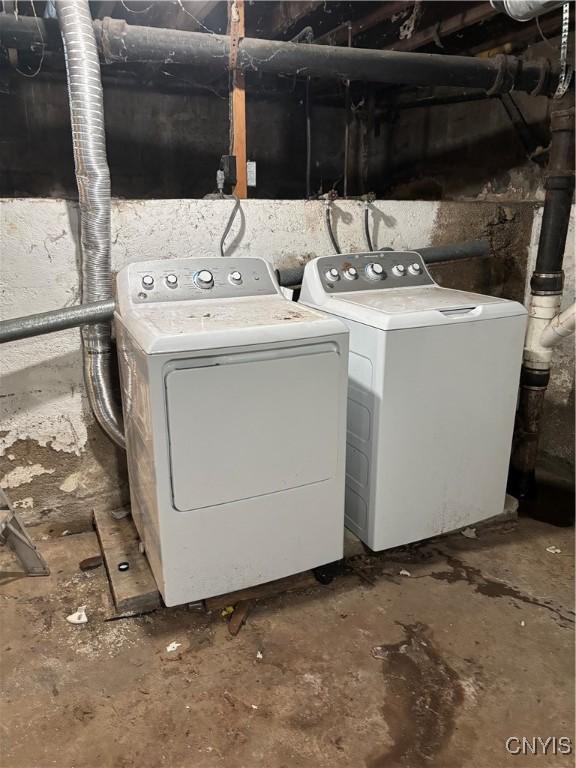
[245, 425]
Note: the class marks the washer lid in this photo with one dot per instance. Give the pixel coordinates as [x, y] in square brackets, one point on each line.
[213, 323]
[396, 308]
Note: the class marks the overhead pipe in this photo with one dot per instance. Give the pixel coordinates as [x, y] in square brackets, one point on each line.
[93, 179]
[546, 288]
[126, 43]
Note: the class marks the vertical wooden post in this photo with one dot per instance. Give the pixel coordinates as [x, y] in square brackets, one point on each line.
[238, 99]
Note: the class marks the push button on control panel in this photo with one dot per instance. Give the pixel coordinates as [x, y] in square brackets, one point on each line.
[374, 271]
[171, 281]
[333, 275]
[235, 277]
[204, 279]
[148, 282]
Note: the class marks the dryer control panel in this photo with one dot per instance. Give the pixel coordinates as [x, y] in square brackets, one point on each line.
[343, 273]
[162, 280]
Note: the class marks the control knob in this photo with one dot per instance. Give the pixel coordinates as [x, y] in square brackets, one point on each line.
[351, 273]
[148, 282]
[399, 270]
[415, 269]
[235, 277]
[204, 279]
[333, 275]
[374, 271]
[171, 281]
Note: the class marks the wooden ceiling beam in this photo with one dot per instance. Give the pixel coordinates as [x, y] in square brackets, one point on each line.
[476, 14]
[287, 14]
[339, 35]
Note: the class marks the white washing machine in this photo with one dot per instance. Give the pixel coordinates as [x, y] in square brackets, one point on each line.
[433, 379]
[234, 408]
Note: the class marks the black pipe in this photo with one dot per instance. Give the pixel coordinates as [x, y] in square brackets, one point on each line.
[122, 42]
[559, 192]
[471, 249]
[308, 142]
[56, 320]
[288, 277]
[547, 280]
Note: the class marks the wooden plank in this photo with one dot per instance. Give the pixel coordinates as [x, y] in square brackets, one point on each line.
[270, 589]
[238, 618]
[238, 101]
[446, 27]
[286, 15]
[134, 590]
[384, 12]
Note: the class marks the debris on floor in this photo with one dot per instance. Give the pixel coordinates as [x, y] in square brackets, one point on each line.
[404, 572]
[79, 616]
[553, 550]
[89, 563]
[469, 533]
[342, 669]
[239, 616]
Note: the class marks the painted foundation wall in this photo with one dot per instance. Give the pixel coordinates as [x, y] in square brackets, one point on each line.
[55, 462]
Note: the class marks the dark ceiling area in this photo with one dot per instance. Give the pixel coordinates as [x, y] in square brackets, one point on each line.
[471, 28]
[168, 124]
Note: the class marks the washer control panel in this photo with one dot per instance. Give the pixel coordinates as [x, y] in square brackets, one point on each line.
[198, 278]
[368, 271]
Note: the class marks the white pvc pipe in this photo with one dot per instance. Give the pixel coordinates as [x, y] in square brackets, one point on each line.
[559, 327]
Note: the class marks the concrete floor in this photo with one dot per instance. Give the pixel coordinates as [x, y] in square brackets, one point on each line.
[435, 669]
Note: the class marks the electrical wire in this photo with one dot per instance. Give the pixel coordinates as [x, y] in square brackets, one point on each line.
[131, 10]
[308, 142]
[331, 234]
[543, 36]
[367, 228]
[229, 224]
[39, 67]
[200, 24]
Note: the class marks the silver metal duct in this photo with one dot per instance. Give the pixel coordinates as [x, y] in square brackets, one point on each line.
[93, 179]
[525, 10]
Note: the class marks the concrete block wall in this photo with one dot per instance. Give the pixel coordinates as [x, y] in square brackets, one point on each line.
[54, 460]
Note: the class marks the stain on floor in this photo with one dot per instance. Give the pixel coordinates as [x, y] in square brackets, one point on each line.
[423, 694]
[435, 669]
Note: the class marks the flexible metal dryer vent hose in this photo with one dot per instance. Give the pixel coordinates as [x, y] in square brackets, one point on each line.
[93, 179]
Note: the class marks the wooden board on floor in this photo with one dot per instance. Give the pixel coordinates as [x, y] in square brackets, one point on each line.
[271, 588]
[134, 590]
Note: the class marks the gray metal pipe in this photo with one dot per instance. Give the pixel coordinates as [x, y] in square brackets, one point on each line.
[93, 179]
[291, 276]
[471, 249]
[56, 320]
[526, 10]
[122, 42]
